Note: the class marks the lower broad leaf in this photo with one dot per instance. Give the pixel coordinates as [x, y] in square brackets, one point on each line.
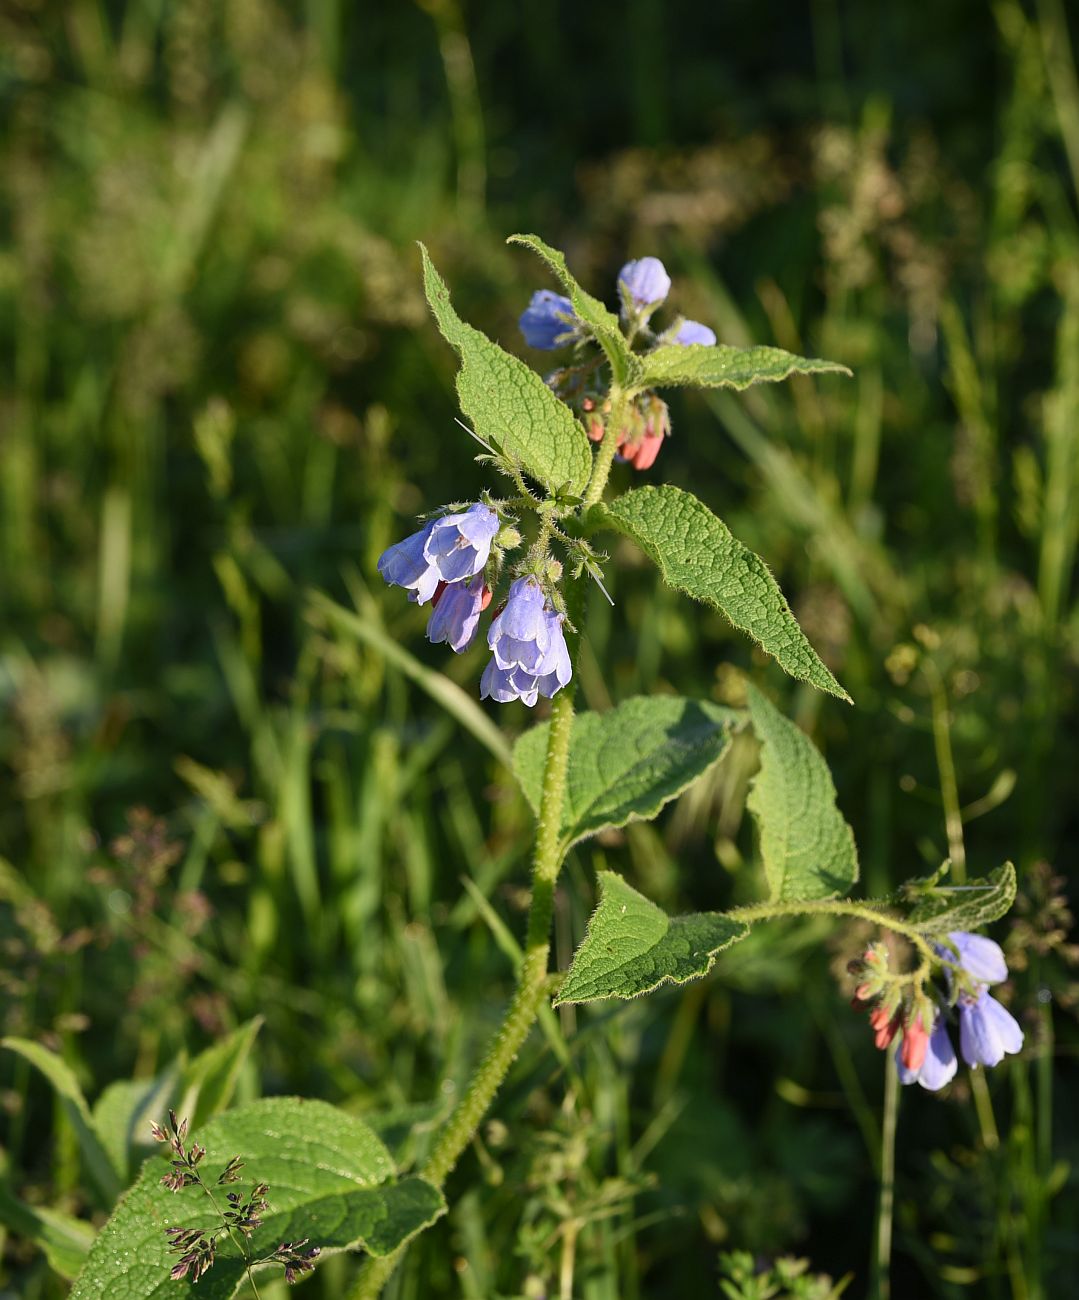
[625, 764]
[807, 847]
[632, 946]
[330, 1180]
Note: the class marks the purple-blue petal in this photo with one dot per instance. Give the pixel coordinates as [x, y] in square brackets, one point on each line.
[692, 331]
[980, 957]
[646, 281]
[405, 564]
[507, 684]
[548, 322]
[987, 1031]
[939, 1065]
[555, 668]
[456, 616]
[522, 619]
[459, 545]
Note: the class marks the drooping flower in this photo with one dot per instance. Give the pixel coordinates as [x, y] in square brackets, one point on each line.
[459, 545]
[406, 564]
[530, 657]
[980, 957]
[692, 331]
[520, 634]
[987, 1031]
[555, 669]
[549, 321]
[456, 614]
[938, 1064]
[645, 281]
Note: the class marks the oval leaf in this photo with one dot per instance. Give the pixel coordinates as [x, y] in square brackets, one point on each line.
[697, 554]
[624, 765]
[699, 366]
[509, 403]
[632, 946]
[806, 845]
[330, 1179]
[603, 324]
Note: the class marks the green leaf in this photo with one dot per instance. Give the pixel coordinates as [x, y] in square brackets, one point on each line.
[700, 366]
[632, 946]
[64, 1240]
[122, 1117]
[603, 324]
[98, 1165]
[209, 1080]
[806, 845]
[624, 765]
[330, 1178]
[967, 906]
[697, 555]
[509, 403]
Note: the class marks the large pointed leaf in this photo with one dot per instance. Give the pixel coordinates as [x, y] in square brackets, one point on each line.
[603, 324]
[509, 403]
[697, 554]
[700, 366]
[330, 1178]
[624, 765]
[806, 845]
[964, 907]
[632, 946]
[62, 1078]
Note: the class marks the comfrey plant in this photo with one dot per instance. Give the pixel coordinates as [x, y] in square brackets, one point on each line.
[521, 557]
[589, 773]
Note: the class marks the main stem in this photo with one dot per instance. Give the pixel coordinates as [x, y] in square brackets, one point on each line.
[531, 985]
[532, 980]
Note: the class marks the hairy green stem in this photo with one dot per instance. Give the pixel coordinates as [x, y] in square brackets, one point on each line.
[532, 985]
[843, 907]
[601, 466]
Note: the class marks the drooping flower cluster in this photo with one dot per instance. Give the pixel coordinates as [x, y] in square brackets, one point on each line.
[925, 1053]
[549, 322]
[529, 648]
[444, 562]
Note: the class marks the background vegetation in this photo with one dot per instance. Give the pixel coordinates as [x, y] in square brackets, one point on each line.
[222, 393]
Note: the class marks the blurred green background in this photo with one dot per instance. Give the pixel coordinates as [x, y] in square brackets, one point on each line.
[222, 393]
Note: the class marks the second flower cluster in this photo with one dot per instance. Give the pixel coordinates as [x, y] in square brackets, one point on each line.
[444, 563]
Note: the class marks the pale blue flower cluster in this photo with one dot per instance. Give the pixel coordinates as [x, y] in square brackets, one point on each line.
[987, 1030]
[529, 648]
[549, 321]
[444, 563]
[441, 563]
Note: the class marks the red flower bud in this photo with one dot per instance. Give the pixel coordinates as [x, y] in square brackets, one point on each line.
[915, 1044]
